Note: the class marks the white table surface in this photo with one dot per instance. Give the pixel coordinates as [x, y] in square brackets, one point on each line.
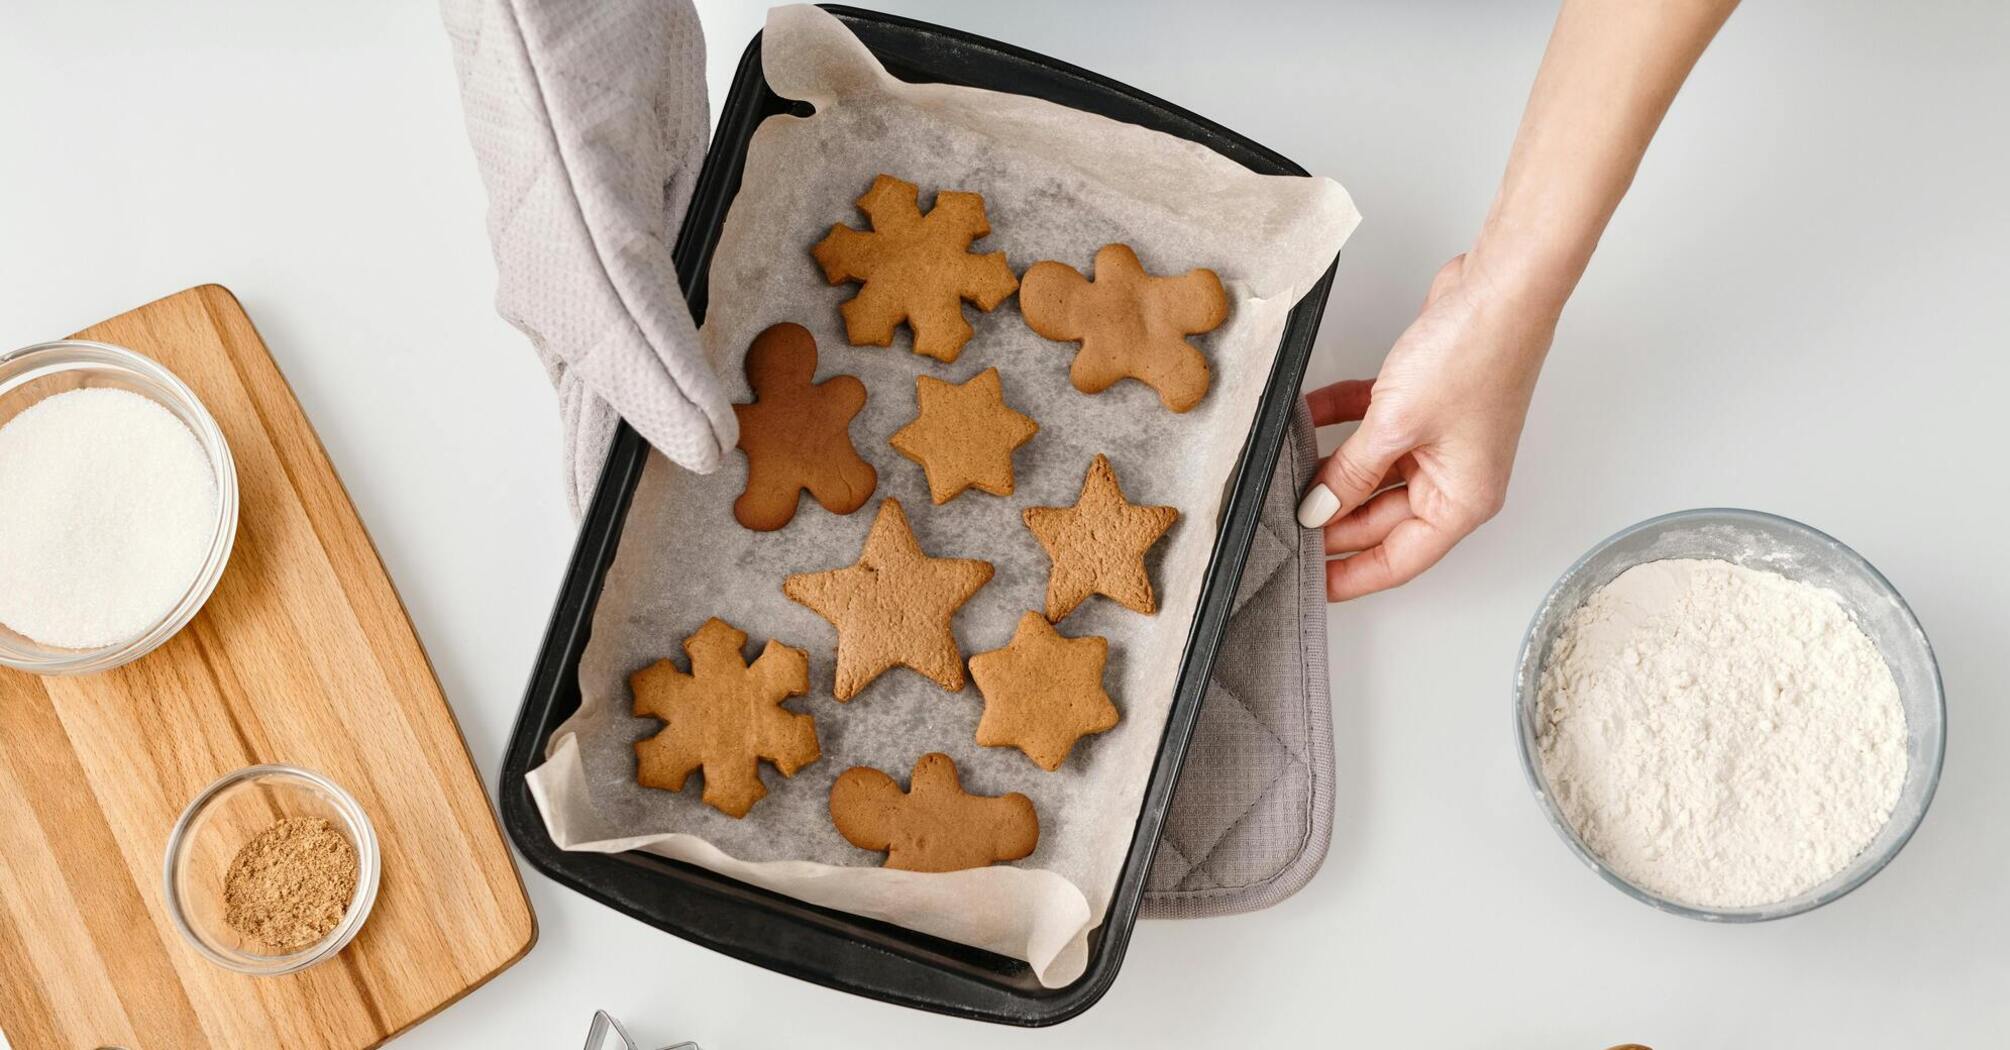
[1801, 308]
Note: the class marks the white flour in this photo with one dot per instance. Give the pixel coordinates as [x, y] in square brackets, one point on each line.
[1721, 736]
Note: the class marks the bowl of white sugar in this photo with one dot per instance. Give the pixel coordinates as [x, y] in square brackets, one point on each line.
[1729, 715]
[118, 506]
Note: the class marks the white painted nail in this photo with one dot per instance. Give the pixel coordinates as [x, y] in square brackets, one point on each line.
[1317, 508]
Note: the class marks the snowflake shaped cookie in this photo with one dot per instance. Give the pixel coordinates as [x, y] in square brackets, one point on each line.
[915, 268]
[724, 717]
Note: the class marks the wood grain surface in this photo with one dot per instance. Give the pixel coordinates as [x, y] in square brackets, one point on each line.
[304, 656]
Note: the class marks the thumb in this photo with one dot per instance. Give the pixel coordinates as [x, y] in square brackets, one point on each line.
[1349, 477]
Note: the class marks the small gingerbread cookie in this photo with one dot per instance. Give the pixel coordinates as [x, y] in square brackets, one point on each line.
[1098, 545]
[1043, 691]
[892, 607]
[963, 435]
[724, 717]
[1130, 323]
[915, 268]
[797, 433]
[935, 825]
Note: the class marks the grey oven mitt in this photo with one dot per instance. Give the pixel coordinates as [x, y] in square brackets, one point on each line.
[588, 120]
[1253, 812]
[589, 124]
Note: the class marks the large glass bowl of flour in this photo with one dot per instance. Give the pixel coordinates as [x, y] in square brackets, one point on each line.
[1690, 795]
[120, 510]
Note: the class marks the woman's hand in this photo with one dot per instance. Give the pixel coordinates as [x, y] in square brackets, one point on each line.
[1439, 427]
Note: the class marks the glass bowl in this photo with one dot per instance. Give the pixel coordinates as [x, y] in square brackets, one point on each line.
[221, 819]
[34, 373]
[1774, 544]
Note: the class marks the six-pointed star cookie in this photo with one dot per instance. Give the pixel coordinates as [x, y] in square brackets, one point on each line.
[1098, 545]
[914, 268]
[963, 436]
[892, 608]
[1043, 691]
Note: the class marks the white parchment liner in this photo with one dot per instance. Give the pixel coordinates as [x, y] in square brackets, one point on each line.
[1058, 184]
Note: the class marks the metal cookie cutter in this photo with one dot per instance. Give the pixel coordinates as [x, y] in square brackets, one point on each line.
[607, 1034]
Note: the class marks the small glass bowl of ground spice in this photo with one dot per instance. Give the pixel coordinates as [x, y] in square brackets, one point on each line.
[271, 870]
[118, 506]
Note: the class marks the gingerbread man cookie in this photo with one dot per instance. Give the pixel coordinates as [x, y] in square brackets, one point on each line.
[1098, 545]
[935, 825]
[1043, 691]
[797, 433]
[892, 608]
[964, 435]
[915, 268]
[1130, 324]
[724, 717]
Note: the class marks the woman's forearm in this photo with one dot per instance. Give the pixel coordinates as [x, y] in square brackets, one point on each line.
[1607, 78]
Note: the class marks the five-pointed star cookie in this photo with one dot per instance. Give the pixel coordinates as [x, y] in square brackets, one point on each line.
[724, 717]
[1098, 545]
[1043, 691]
[892, 608]
[914, 268]
[963, 436]
[1131, 324]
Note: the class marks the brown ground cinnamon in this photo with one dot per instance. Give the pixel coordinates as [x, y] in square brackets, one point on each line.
[290, 884]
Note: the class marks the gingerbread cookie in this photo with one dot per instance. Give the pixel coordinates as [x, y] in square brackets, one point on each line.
[963, 436]
[724, 717]
[935, 825]
[1098, 545]
[797, 433]
[892, 607]
[1043, 691]
[915, 268]
[1130, 324]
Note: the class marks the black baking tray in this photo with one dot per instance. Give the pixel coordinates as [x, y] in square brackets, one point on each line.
[859, 955]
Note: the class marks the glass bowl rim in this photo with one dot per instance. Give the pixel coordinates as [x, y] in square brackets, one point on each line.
[1524, 706]
[223, 538]
[368, 869]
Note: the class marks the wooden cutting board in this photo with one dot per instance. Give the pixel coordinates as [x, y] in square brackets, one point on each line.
[303, 655]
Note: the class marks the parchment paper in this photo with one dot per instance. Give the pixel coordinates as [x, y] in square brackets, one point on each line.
[1058, 184]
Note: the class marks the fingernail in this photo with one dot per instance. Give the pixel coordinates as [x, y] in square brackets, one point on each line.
[1317, 508]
